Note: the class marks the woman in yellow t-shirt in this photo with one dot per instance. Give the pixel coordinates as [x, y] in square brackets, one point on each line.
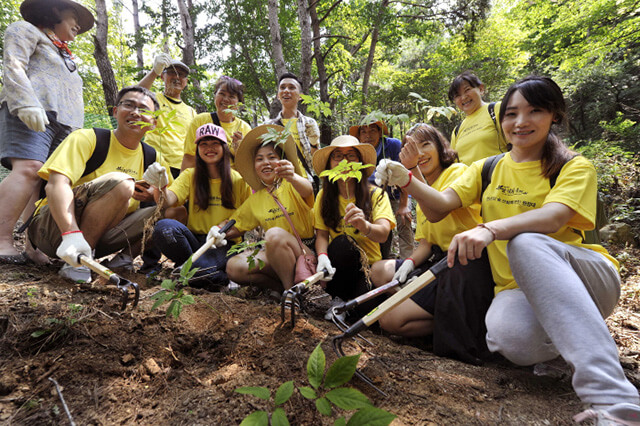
[479, 135]
[352, 218]
[552, 290]
[269, 170]
[427, 154]
[214, 192]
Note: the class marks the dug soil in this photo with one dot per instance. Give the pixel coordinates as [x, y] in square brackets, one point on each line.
[139, 367]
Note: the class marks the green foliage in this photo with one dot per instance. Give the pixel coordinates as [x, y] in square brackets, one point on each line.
[173, 292]
[252, 258]
[346, 170]
[315, 106]
[59, 327]
[326, 392]
[277, 137]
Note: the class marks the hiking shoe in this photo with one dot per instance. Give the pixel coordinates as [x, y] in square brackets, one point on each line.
[79, 275]
[120, 260]
[329, 315]
[624, 414]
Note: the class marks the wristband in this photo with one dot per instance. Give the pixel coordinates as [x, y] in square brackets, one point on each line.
[368, 232]
[319, 254]
[410, 177]
[412, 261]
[484, 226]
[71, 232]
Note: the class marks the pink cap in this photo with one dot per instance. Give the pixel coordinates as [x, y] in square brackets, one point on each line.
[210, 130]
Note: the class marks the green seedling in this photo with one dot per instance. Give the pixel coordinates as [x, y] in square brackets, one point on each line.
[251, 258]
[327, 392]
[390, 119]
[31, 295]
[316, 106]
[346, 170]
[173, 292]
[424, 106]
[277, 137]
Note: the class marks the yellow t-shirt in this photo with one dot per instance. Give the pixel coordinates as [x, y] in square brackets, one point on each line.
[237, 125]
[381, 209]
[170, 144]
[71, 156]
[261, 210]
[459, 220]
[478, 137]
[200, 221]
[519, 187]
[296, 137]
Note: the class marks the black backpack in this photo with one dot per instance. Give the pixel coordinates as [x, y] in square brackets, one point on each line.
[103, 140]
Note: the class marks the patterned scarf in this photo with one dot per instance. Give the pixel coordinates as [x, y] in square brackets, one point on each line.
[62, 45]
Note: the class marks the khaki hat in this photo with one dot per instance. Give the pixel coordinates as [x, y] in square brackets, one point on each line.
[178, 64]
[367, 152]
[355, 130]
[245, 154]
[32, 9]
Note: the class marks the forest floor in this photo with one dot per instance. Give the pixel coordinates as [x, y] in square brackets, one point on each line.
[139, 367]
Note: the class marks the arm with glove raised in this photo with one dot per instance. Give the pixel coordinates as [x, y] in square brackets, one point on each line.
[160, 62]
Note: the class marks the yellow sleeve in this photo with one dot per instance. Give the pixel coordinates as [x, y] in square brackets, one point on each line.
[182, 185]
[381, 208]
[319, 222]
[469, 185]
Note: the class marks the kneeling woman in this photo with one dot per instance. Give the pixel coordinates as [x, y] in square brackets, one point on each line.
[552, 290]
[351, 220]
[274, 173]
[460, 310]
[214, 192]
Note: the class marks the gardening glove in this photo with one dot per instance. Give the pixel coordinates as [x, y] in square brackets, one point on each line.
[404, 270]
[391, 173]
[160, 62]
[156, 175]
[324, 264]
[35, 118]
[72, 246]
[217, 236]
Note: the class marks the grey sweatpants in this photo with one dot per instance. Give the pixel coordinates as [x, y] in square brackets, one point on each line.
[565, 292]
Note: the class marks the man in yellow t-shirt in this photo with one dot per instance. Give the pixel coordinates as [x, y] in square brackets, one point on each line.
[170, 144]
[98, 210]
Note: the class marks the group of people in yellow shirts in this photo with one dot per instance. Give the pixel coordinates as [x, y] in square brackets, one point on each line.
[506, 203]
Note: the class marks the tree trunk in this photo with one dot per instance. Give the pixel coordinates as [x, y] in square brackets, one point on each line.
[276, 39]
[101, 54]
[139, 42]
[372, 54]
[188, 50]
[323, 78]
[305, 44]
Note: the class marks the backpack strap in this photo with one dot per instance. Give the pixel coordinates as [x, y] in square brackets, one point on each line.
[148, 155]
[99, 155]
[455, 131]
[492, 113]
[214, 119]
[487, 171]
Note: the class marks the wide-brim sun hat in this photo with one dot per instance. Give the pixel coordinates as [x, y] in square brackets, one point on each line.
[367, 152]
[355, 130]
[179, 64]
[29, 11]
[244, 159]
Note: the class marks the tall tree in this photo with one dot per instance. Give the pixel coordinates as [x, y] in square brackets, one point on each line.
[101, 55]
[188, 50]
[138, 40]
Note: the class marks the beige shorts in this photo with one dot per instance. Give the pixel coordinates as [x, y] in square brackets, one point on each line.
[45, 234]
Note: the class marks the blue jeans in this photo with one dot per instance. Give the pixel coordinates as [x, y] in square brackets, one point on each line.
[178, 243]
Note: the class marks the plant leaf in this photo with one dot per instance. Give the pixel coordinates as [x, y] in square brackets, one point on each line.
[340, 421]
[39, 333]
[323, 406]
[371, 416]
[257, 418]
[168, 284]
[284, 392]
[308, 392]
[259, 391]
[279, 418]
[348, 398]
[315, 367]
[341, 371]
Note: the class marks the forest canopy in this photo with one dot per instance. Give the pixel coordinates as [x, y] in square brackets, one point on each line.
[358, 56]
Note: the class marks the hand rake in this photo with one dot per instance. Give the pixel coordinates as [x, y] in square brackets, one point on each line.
[294, 295]
[123, 284]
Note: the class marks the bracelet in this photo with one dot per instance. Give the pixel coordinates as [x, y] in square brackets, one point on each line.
[71, 232]
[412, 261]
[411, 168]
[410, 177]
[484, 226]
[369, 231]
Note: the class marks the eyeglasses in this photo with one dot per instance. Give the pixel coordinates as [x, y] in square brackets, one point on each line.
[143, 110]
[71, 66]
[350, 156]
[174, 72]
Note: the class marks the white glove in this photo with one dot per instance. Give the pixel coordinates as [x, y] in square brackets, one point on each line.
[35, 118]
[217, 236]
[156, 175]
[71, 247]
[404, 270]
[160, 62]
[324, 264]
[391, 173]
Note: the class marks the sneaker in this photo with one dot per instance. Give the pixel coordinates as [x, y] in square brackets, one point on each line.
[329, 315]
[79, 275]
[233, 286]
[624, 414]
[120, 260]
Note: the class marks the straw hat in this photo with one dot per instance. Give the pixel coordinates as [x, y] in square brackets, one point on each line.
[355, 130]
[367, 152]
[245, 154]
[31, 10]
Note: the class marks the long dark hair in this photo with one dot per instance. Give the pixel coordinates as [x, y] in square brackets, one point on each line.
[543, 92]
[329, 206]
[201, 180]
[425, 132]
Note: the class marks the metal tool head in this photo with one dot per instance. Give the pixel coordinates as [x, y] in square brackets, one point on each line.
[336, 342]
[124, 285]
[292, 300]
